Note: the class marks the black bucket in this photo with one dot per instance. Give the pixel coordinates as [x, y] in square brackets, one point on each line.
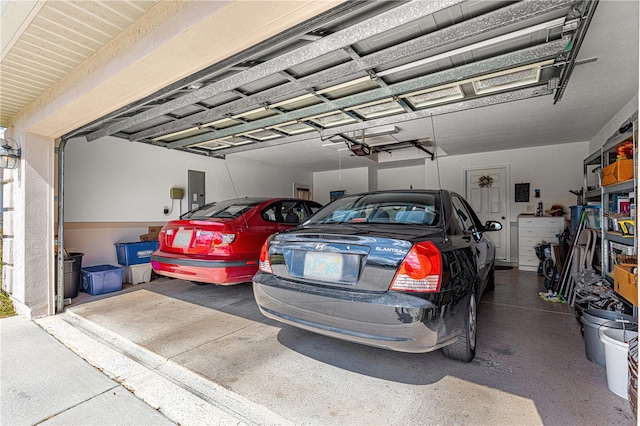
[72, 266]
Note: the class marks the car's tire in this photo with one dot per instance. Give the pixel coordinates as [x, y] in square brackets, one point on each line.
[464, 349]
[491, 282]
[198, 283]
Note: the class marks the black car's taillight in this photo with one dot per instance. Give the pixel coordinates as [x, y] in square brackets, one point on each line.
[265, 264]
[420, 271]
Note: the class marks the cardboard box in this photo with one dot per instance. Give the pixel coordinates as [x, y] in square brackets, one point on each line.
[154, 229]
[619, 171]
[149, 237]
[625, 283]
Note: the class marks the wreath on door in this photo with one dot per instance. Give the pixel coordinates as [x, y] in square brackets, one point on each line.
[485, 181]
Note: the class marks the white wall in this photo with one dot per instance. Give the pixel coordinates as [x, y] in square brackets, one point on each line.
[114, 189]
[113, 180]
[614, 124]
[554, 169]
[353, 181]
[401, 178]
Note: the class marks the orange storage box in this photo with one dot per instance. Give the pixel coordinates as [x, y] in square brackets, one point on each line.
[619, 171]
[625, 283]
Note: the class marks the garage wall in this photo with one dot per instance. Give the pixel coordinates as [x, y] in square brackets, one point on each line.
[352, 181]
[114, 189]
[554, 169]
[402, 178]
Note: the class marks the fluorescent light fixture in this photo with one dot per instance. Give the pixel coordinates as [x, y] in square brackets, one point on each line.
[480, 45]
[377, 131]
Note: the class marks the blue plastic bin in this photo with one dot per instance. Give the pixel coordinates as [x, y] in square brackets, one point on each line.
[101, 279]
[135, 253]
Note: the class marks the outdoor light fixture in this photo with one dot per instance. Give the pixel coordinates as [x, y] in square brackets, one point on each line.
[10, 153]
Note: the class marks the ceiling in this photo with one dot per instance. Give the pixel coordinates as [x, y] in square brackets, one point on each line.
[397, 80]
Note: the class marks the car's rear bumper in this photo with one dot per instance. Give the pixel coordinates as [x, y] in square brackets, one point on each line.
[390, 320]
[222, 272]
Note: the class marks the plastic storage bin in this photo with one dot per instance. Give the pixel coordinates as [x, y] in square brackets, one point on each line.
[136, 253]
[101, 279]
[136, 274]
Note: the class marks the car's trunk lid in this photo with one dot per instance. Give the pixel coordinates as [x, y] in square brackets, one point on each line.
[193, 236]
[342, 256]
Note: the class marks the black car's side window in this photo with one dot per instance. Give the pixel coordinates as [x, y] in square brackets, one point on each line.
[461, 215]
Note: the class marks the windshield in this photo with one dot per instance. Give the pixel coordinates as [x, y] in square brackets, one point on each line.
[222, 209]
[417, 208]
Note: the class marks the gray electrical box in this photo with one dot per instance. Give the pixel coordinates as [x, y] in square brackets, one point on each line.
[176, 193]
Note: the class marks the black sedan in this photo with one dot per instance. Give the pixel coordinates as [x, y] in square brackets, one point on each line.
[401, 270]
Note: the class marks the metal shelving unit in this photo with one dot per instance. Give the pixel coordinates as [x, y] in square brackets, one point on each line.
[613, 241]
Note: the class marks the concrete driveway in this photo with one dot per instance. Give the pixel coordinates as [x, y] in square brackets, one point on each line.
[529, 369]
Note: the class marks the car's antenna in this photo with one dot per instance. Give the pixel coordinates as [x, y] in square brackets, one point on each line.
[435, 150]
[233, 185]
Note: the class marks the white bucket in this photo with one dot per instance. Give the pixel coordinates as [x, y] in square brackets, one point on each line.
[616, 347]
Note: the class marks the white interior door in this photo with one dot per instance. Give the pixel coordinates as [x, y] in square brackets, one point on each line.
[489, 200]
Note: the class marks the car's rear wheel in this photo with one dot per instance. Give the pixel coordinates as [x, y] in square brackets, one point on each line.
[464, 349]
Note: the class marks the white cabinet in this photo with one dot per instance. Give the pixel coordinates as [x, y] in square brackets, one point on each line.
[532, 231]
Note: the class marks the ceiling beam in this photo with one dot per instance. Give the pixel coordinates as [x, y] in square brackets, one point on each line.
[509, 60]
[509, 15]
[516, 95]
[378, 24]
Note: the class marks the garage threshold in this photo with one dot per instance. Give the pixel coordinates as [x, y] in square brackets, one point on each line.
[205, 355]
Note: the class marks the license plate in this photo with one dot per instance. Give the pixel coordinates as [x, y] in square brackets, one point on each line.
[323, 266]
[182, 238]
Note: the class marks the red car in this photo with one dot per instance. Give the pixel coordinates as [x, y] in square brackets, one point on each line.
[219, 243]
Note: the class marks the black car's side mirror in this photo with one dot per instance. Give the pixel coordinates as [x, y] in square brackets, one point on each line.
[492, 225]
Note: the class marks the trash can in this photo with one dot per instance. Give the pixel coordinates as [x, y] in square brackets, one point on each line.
[72, 266]
[596, 319]
[616, 349]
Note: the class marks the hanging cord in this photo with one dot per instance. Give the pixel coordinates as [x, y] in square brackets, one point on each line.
[170, 210]
[233, 185]
[435, 150]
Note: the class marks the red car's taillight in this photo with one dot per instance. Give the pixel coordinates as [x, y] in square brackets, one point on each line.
[420, 271]
[220, 239]
[265, 264]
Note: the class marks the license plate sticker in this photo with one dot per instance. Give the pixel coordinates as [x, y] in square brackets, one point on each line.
[323, 266]
[182, 238]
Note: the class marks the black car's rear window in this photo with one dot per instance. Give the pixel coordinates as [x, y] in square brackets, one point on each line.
[221, 209]
[394, 207]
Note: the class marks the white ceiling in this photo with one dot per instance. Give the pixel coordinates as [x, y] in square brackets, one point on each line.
[596, 90]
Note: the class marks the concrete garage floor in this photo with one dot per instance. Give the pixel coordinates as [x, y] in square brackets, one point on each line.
[530, 366]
